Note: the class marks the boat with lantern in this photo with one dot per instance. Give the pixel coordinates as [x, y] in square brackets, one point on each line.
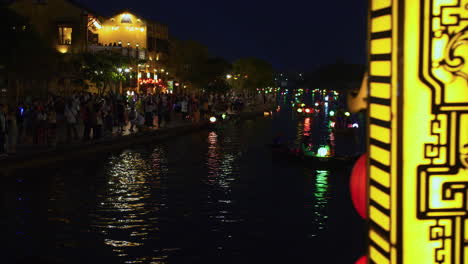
[322, 158]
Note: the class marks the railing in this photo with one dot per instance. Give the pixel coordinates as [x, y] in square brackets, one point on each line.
[124, 51]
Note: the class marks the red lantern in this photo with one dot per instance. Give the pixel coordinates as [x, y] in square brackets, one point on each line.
[362, 260]
[358, 186]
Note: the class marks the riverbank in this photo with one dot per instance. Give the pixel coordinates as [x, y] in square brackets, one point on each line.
[41, 156]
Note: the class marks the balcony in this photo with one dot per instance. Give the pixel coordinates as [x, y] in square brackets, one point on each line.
[136, 53]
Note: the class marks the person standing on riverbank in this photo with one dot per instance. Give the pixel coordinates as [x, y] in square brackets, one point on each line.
[12, 132]
[3, 130]
[51, 126]
[71, 113]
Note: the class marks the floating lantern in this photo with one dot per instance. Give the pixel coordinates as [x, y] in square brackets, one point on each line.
[322, 152]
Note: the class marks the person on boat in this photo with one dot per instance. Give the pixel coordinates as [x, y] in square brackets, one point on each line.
[306, 146]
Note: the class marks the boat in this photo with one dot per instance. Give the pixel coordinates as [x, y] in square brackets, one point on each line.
[292, 155]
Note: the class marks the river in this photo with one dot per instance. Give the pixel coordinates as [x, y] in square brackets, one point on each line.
[215, 196]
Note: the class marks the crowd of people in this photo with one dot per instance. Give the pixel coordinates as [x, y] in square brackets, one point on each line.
[87, 116]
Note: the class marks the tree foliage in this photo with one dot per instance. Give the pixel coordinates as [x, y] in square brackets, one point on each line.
[338, 76]
[252, 73]
[186, 60]
[104, 69]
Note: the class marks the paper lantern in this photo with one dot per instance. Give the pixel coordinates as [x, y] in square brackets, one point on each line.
[362, 260]
[358, 186]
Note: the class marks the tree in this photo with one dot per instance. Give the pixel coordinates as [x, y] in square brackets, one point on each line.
[186, 61]
[213, 74]
[251, 73]
[104, 69]
[337, 76]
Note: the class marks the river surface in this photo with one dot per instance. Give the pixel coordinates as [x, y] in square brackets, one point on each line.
[215, 196]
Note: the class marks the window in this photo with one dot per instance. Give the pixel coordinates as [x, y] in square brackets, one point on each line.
[65, 35]
[126, 18]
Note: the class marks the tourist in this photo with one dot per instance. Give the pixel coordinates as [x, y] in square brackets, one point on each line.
[71, 114]
[132, 118]
[12, 132]
[3, 130]
[51, 126]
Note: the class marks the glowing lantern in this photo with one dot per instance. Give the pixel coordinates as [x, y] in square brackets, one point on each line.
[307, 110]
[299, 110]
[332, 113]
[418, 127]
[316, 104]
[355, 125]
[266, 113]
[322, 152]
[347, 114]
[358, 186]
[224, 116]
[213, 119]
[362, 260]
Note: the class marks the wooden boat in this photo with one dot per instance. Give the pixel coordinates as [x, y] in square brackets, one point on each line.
[283, 153]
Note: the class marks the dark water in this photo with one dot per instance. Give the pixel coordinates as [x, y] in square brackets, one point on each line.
[209, 197]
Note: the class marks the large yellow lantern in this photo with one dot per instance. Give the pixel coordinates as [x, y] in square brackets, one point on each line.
[418, 131]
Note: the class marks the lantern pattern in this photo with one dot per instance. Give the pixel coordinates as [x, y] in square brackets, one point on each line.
[418, 131]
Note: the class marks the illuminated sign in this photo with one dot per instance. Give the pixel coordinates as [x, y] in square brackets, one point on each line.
[418, 131]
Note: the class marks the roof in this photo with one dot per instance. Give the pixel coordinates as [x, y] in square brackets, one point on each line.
[129, 10]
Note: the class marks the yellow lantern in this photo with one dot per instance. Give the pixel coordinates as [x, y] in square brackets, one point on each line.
[418, 131]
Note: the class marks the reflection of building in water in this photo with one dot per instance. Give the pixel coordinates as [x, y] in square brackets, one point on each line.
[123, 216]
[221, 172]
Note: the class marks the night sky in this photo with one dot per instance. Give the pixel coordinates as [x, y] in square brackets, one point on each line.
[292, 35]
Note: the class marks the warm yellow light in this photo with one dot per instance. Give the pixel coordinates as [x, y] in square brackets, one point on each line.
[418, 132]
[96, 24]
[63, 49]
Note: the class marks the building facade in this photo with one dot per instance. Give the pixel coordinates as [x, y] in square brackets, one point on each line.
[72, 29]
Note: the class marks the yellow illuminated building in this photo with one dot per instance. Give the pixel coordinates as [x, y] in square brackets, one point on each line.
[62, 24]
[418, 131]
[126, 29]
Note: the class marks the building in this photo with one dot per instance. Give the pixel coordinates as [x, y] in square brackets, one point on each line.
[72, 29]
[63, 25]
[132, 35]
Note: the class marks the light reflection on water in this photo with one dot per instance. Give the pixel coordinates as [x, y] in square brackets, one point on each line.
[126, 214]
[321, 198]
[212, 197]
